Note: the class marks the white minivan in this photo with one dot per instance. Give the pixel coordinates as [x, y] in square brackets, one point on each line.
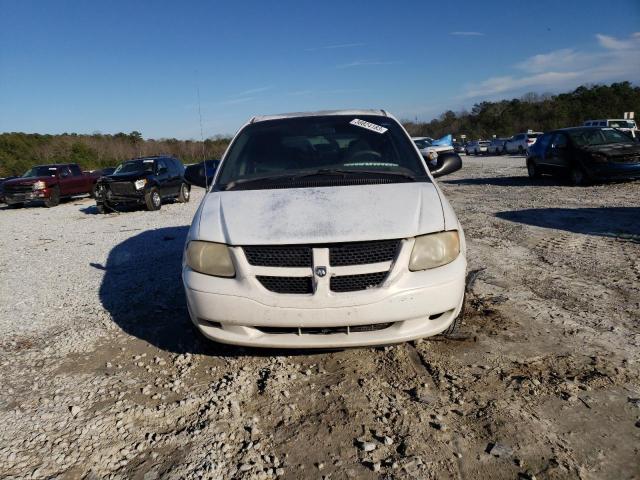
[325, 230]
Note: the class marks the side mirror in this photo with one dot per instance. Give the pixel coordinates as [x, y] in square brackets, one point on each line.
[447, 163]
[194, 174]
[201, 174]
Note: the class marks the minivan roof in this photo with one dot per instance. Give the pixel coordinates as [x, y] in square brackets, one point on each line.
[322, 113]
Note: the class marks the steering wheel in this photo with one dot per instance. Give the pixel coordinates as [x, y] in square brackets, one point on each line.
[363, 153]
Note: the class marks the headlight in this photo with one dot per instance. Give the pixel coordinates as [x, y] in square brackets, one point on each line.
[39, 185]
[434, 250]
[140, 183]
[210, 258]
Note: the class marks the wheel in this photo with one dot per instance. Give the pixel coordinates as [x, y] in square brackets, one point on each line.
[185, 193]
[466, 152]
[577, 177]
[532, 169]
[451, 329]
[520, 150]
[152, 199]
[54, 198]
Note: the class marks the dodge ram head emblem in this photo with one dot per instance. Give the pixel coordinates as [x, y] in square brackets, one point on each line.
[321, 271]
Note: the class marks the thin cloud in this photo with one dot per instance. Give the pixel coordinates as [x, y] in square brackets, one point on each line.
[467, 34]
[333, 47]
[337, 91]
[244, 97]
[616, 59]
[234, 101]
[252, 91]
[365, 63]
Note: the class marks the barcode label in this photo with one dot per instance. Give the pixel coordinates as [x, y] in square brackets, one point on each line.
[368, 125]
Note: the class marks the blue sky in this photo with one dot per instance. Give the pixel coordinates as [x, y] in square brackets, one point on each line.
[88, 66]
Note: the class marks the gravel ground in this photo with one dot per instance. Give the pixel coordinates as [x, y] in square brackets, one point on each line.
[104, 377]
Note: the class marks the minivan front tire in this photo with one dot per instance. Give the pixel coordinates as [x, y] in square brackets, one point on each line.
[455, 325]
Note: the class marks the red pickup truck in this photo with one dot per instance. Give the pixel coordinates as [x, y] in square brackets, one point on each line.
[48, 184]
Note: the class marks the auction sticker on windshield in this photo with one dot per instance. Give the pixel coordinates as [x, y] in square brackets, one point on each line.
[368, 125]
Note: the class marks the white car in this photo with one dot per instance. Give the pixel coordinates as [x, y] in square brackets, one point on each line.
[496, 146]
[428, 151]
[625, 124]
[521, 142]
[476, 147]
[325, 230]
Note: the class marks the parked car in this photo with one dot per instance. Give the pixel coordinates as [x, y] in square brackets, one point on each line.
[476, 147]
[284, 250]
[196, 171]
[458, 147]
[422, 142]
[49, 184]
[2, 180]
[496, 146]
[430, 149]
[144, 181]
[586, 154]
[521, 142]
[626, 125]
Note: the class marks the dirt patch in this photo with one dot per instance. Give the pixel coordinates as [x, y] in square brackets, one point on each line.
[104, 376]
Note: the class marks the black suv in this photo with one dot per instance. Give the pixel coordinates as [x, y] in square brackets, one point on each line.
[143, 181]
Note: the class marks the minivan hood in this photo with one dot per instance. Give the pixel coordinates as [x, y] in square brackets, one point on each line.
[320, 215]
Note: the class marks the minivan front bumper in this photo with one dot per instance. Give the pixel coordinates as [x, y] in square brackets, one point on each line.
[409, 305]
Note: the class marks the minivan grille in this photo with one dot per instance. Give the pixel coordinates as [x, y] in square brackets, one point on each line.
[340, 254]
[361, 253]
[324, 330]
[279, 256]
[298, 285]
[352, 283]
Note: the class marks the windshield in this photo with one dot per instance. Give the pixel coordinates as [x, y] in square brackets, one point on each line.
[41, 172]
[134, 166]
[308, 145]
[622, 123]
[599, 136]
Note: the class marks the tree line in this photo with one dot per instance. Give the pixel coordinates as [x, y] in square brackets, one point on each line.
[20, 151]
[539, 112]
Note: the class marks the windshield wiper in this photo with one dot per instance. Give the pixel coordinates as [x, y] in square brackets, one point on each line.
[264, 178]
[342, 172]
[317, 173]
